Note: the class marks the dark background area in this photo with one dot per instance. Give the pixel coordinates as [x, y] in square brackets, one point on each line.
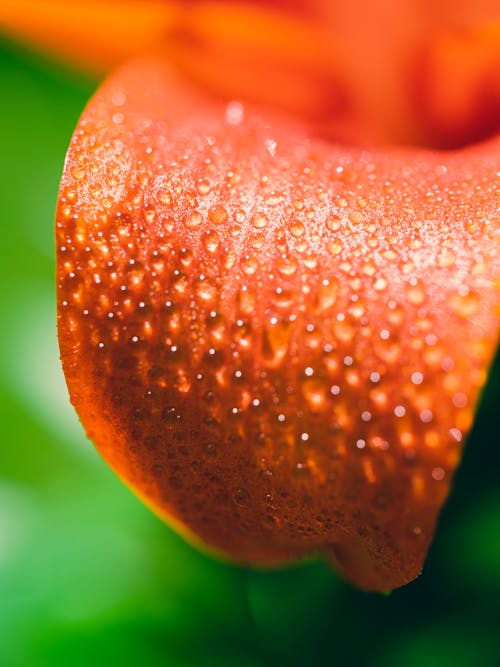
[88, 576]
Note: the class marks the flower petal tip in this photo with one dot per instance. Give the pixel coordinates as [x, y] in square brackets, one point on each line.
[276, 341]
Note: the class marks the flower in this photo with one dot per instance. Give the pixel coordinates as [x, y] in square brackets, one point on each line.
[275, 338]
[383, 72]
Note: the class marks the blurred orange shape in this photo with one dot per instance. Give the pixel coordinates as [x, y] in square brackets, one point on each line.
[381, 72]
[95, 35]
[458, 85]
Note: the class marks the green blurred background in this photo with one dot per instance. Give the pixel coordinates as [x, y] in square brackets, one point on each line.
[88, 576]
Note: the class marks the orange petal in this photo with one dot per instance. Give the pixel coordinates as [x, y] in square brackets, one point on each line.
[262, 53]
[94, 34]
[276, 342]
[458, 87]
[264, 56]
[347, 68]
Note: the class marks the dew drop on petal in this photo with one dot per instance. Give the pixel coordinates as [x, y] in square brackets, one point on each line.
[235, 113]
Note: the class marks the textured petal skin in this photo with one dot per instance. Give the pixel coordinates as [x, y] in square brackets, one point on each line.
[276, 342]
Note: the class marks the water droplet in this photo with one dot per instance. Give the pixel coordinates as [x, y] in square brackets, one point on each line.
[315, 394]
[259, 220]
[203, 186]
[369, 269]
[118, 98]
[286, 266]
[446, 259]
[426, 416]
[228, 258]
[194, 219]
[274, 199]
[465, 305]
[282, 298]
[205, 289]
[240, 216]
[271, 146]
[249, 265]
[217, 214]
[396, 314]
[415, 294]
[459, 399]
[368, 471]
[257, 240]
[344, 331]
[333, 223]
[379, 443]
[275, 343]
[311, 261]
[379, 397]
[297, 229]
[356, 217]
[380, 284]
[242, 333]
[186, 256]
[438, 474]
[417, 377]
[327, 295]
[241, 497]
[357, 310]
[246, 301]
[334, 246]
[387, 350]
[78, 173]
[211, 241]
[216, 326]
[235, 113]
[180, 283]
[182, 384]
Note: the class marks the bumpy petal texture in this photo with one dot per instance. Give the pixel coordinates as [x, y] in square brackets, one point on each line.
[278, 343]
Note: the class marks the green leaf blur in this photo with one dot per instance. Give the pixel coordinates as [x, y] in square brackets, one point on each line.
[88, 576]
